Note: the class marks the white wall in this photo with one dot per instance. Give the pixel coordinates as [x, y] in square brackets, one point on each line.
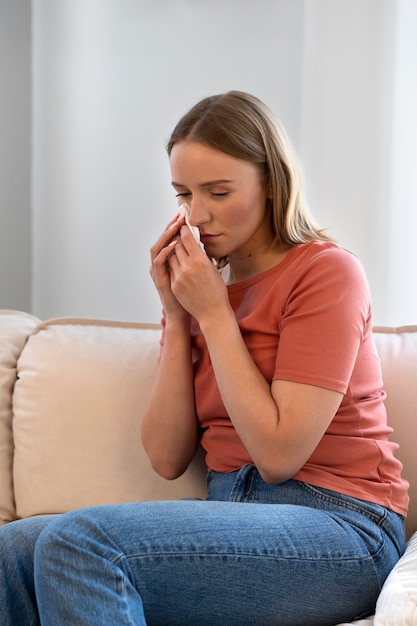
[347, 126]
[401, 279]
[15, 115]
[359, 139]
[111, 78]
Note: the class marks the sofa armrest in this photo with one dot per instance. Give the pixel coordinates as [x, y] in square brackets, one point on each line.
[15, 327]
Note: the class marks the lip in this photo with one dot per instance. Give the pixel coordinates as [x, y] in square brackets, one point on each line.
[208, 238]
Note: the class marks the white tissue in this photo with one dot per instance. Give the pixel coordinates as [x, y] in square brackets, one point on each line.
[185, 210]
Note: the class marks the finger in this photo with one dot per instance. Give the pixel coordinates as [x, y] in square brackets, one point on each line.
[188, 240]
[166, 252]
[167, 236]
[160, 263]
[173, 221]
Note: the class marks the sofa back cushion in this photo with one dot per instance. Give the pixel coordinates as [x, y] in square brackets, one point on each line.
[81, 390]
[14, 330]
[397, 348]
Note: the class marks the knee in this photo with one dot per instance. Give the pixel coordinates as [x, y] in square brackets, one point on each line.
[69, 535]
[58, 540]
[18, 539]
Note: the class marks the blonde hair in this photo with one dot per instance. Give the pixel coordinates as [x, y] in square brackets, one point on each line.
[242, 126]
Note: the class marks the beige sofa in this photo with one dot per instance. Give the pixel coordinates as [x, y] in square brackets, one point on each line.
[71, 396]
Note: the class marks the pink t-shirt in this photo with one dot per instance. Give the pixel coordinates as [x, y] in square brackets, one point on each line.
[308, 320]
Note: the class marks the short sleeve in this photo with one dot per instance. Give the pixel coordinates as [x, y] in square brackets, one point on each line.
[326, 316]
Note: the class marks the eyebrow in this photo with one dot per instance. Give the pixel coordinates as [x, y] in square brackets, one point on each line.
[219, 181]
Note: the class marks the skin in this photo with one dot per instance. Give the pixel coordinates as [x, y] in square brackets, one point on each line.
[279, 424]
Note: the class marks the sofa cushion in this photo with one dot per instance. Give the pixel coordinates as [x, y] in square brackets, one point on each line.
[78, 405]
[397, 348]
[14, 330]
[397, 602]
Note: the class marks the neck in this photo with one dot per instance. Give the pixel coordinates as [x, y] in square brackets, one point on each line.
[251, 264]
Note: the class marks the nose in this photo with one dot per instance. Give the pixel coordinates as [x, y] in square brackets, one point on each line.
[199, 214]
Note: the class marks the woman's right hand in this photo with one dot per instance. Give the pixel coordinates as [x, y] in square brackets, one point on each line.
[169, 427]
[160, 269]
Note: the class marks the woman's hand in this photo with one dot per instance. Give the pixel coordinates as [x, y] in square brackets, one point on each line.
[169, 427]
[160, 269]
[188, 284]
[194, 280]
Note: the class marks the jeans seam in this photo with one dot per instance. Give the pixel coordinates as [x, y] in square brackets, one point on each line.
[179, 555]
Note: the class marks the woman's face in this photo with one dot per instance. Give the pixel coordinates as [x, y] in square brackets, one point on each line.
[227, 198]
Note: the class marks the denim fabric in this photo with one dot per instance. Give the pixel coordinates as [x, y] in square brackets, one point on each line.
[17, 588]
[253, 554]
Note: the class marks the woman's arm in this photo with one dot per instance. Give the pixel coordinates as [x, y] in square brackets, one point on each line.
[279, 424]
[169, 427]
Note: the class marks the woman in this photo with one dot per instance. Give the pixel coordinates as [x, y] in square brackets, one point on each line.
[267, 359]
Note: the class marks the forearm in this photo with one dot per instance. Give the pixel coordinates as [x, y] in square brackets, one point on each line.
[245, 392]
[169, 426]
[280, 424]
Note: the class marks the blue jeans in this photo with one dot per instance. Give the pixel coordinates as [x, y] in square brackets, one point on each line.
[253, 554]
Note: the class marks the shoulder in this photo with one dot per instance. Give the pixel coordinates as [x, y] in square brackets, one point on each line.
[323, 271]
[327, 257]
[317, 249]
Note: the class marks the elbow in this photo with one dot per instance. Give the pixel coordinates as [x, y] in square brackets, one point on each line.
[274, 477]
[165, 465]
[275, 473]
[169, 473]
[167, 470]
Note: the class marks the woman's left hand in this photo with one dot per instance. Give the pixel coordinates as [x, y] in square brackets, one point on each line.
[195, 281]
